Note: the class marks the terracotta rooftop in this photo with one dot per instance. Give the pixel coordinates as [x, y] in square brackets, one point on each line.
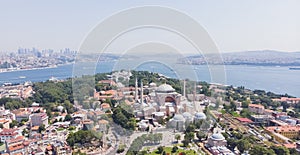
[15, 147]
[87, 121]
[284, 99]
[290, 146]
[17, 139]
[245, 120]
[283, 128]
[256, 106]
[269, 110]
[105, 105]
[2, 121]
[102, 121]
[8, 132]
[35, 128]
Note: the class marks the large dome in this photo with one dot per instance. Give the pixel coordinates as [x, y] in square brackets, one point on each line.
[200, 115]
[217, 136]
[178, 117]
[187, 115]
[165, 88]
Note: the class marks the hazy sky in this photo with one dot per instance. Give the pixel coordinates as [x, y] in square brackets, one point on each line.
[235, 25]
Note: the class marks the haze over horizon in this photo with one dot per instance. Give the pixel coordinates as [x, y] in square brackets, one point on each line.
[234, 25]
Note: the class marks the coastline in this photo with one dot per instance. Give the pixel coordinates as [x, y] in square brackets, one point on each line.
[38, 68]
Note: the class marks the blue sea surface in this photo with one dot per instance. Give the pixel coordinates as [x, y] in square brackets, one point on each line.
[270, 78]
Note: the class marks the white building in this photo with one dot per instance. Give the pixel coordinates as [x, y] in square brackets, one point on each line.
[39, 119]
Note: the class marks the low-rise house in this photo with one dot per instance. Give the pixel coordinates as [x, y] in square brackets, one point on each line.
[256, 108]
[38, 119]
[16, 145]
[16, 149]
[5, 122]
[288, 100]
[261, 119]
[61, 148]
[7, 134]
[287, 131]
[22, 114]
[105, 107]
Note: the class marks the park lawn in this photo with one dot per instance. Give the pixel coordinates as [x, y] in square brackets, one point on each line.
[60, 129]
[235, 114]
[169, 150]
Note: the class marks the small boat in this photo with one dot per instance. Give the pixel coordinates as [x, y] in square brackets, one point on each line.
[22, 77]
[294, 68]
[53, 79]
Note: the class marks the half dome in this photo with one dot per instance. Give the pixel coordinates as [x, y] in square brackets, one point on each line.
[200, 115]
[217, 136]
[165, 88]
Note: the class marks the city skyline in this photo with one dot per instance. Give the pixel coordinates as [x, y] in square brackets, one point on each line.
[234, 25]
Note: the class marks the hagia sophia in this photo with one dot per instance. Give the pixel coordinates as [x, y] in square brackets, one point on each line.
[163, 101]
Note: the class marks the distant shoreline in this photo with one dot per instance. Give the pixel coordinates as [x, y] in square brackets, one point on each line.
[38, 68]
[246, 64]
[258, 65]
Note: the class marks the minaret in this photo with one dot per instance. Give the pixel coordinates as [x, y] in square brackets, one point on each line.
[194, 94]
[142, 91]
[136, 90]
[184, 83]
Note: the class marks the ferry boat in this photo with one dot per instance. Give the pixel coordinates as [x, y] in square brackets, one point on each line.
[294, 68]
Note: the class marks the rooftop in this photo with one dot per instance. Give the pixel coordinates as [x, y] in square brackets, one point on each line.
[284, 128]
[15, 147]
[8, 132]
[244, 120]
[102, 121]
[256, 106]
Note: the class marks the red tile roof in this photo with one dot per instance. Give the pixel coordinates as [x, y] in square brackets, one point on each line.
[290, 146]
[8, 132]
[256, 106]
[245, 120]
[283, 128]
[15, 147]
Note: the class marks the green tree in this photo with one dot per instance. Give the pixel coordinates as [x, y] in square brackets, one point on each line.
[255, 150]
[293, 151]
[243, 145]
[160, 149]
[13, 124]
[68, 117]
[200, 135]
[121, 149]
[177, 137]
[246, 103]
[185, 143]
[231, 143]
[42, 128]
[232, 106]
[237, 135]
[188, 137]
[190, 128]
[174, 149]
[280, 150]
[245, 113]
